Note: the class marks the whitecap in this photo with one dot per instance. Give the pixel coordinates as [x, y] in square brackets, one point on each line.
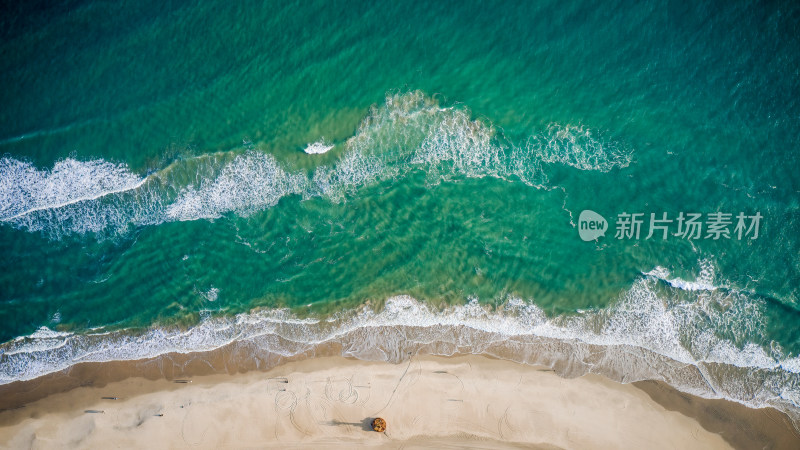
[409, 132]
[710, 344]
[318, 148]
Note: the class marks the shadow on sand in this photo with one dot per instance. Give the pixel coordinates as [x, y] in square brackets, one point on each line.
[366, 424]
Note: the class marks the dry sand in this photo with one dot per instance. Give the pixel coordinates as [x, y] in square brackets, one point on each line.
[327, 402]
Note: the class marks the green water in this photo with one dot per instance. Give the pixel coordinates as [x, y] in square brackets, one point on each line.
[154, 178]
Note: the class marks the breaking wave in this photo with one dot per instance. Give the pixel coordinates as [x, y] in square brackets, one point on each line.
[698, 341]
[318, 148]
[579, 147]
[408, 132]
[25, 190]
[704, 282]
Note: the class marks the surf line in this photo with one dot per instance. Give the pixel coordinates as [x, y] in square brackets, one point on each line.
[76, 200]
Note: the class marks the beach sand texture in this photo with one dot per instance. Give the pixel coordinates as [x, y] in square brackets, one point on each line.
[330, 402]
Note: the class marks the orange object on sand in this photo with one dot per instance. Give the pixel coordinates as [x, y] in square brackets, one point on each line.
[379, 425]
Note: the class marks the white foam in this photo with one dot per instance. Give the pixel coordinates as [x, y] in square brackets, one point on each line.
[704, 282]
[791, 364]
[42, 340]
[579, 147]
[705, 344]
[354, 170]
[409, 132]
[318, 148]
[250, 182]
[24, 189]
[212, 294]
[47, 333]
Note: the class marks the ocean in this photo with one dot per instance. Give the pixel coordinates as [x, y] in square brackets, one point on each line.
[407, 177]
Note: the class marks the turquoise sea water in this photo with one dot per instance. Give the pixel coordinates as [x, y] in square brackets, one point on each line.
[157, 194]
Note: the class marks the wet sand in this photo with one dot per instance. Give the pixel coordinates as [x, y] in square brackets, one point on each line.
[322, 402]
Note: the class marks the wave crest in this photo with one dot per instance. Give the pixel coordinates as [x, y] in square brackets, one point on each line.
[25, 189]
[701, 342]
[579, 147]
[409, 132]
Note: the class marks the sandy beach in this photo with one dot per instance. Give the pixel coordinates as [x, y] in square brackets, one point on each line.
[327, 402]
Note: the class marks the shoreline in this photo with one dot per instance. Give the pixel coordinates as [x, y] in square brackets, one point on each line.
[58, 401]
[404, 326]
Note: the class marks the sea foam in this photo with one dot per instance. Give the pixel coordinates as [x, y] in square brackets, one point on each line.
[701, 342]
[409, 132]
[318, 148]
[579, 147]
[702, 283]
[25, 189]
